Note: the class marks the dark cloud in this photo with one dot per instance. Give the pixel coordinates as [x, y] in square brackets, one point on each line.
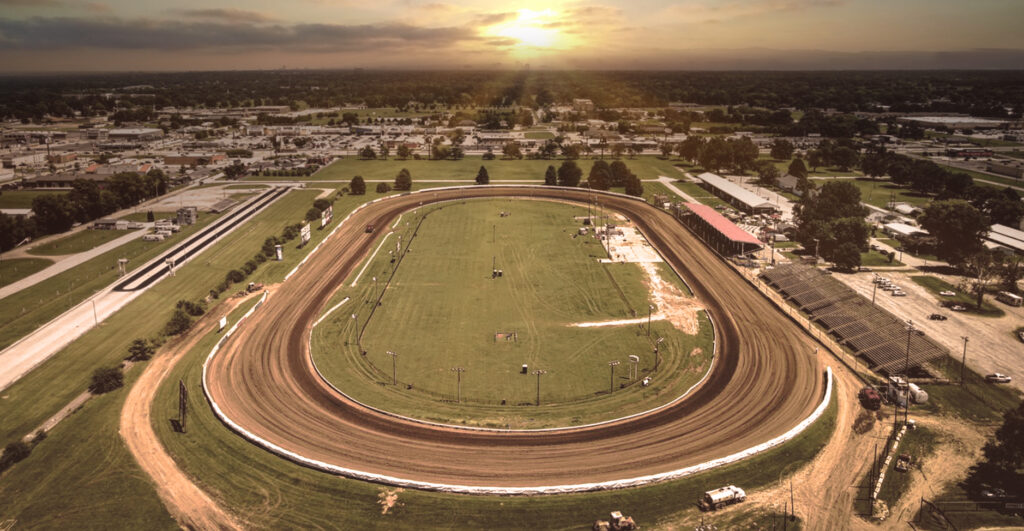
[58, 33]
[494, 18]
[225, 15]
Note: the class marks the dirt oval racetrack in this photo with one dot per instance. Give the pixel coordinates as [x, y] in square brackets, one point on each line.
[765, 381]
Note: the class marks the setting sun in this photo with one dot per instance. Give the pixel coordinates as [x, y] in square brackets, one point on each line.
[530, 28]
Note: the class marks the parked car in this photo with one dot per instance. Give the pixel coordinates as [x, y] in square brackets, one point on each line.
[937, 317]
[903, 462]
[870, 399]
[998, 378]
[947, 293]
[898, 293]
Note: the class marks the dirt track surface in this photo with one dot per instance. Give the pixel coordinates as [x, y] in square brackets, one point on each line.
[766, 380]
[191, 507]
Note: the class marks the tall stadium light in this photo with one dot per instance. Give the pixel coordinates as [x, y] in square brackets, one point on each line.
[539, 372]
[611, 379]
[394, 367]
[458, 375]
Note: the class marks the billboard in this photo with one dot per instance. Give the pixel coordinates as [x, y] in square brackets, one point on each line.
[305, 234]
[326, 216]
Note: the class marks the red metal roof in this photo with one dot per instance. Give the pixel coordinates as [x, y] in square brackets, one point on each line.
[722, 224]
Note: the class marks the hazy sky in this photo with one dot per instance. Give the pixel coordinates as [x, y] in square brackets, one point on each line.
[687, 34]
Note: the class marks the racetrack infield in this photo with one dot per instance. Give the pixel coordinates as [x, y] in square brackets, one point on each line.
[766, 379]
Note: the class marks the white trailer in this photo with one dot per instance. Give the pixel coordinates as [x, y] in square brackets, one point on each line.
[718, 498]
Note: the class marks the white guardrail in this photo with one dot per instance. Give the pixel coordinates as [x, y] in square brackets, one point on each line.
[474, 489]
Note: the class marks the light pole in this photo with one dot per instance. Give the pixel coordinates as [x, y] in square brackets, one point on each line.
[650, 308]
[458, 375]
[96, 319]
[657, 352]
[394, 367]
[538, 373]
[963, 362]
[875, 289]
[611, 379]
[816, 242]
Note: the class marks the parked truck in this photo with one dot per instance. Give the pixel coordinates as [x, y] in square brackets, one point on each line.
[718, 498]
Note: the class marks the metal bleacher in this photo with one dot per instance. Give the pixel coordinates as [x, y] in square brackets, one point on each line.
[871, 332]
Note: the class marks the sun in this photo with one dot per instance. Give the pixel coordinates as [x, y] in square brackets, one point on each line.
[531, 29]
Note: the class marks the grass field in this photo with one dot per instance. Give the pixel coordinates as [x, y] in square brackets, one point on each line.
[450, 310]
[877, 259]
[879, 193]
[270, 492]
[539, 135]
[700, 194]
[15, 269]
[934, 285]
[645, 167]
[22, 198]
[80, 241]
[919, 444]
[29, 308]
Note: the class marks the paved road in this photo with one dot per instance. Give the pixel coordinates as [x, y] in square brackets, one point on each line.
[35, 348]
[67, 262]
[765, 381]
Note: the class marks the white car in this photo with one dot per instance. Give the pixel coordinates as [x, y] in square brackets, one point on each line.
[899, 293]
[947, 293]
[998, 378]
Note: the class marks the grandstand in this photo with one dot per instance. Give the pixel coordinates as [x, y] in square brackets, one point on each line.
[883, 340]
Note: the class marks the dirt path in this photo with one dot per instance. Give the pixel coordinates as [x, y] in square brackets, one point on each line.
[190, 506]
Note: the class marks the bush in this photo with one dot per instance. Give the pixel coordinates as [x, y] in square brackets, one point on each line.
[268, 246]
[140, 350]
[234, 276]
[249, 267]
[314, 213]
[259, 258]
[14, 452]
[105, 380]
[179, 322]
[191, 308]
[291, 232]
[383, 188]
[322, 204]
[214, 293]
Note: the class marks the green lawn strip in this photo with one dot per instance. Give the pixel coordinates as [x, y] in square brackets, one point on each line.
[934, 285]
[787, 245]
[245, 186]
[877, 259]
[998, 180]
[542, 301]
[700, 194]
[15, 269]
[977, 400]
[80, 241]
[880, 192]
[32, 399]
[270, 492]
[919, 444]
[30, 308]
[83, 476]
[645, 167]
[23, 198]
[539, 135]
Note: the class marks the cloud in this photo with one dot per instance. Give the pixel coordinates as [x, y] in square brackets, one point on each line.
[58, 33]
[494, 18]
[225, 15]
[715, 11]
[97, 7]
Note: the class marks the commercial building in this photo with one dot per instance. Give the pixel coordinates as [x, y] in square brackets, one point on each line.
[188, 215]
[1007, 239]
[736, 195]
[715, 229]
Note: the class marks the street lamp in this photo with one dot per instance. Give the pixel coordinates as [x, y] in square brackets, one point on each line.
[458, 373]
[538, 373]
[963, 362]
[394, 367]
[816, 242]
[611, 379]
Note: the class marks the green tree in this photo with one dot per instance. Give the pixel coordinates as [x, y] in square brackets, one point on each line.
[550, 176]
[633, 186]
[313, 214]
[482, 177]
[178, 323]
[150, 217]
[385, 151]
[367, 153]
[667, 148]
[569, 174]
[846, 256]
[403, 152]
[815, 159]
[383, 188]
[234, 171]
[511, 150]
[958, 227]
[768, 175]
[1004, 454]
[357, 186]
[845, 157]
[797, 168]
[690, 148]
[53, 213]
[743, 153]
[600, 175]
[782, 149]
[716, 154]
[140, 350]
[403, 181]
[106, 379]
[14, 452]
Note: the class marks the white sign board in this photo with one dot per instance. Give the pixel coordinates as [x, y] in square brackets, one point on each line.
[305, 234]
[326, 216]
[223, 323]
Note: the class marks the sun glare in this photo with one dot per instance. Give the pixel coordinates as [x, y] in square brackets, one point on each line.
[531, 29]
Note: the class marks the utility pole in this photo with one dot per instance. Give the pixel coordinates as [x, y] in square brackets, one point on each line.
[650, 308]
[611, 379]
[874, 290]
[792, 500]
[394, 367]
[963, 361]
[96, 320]
[538, 373]
[458, 374]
